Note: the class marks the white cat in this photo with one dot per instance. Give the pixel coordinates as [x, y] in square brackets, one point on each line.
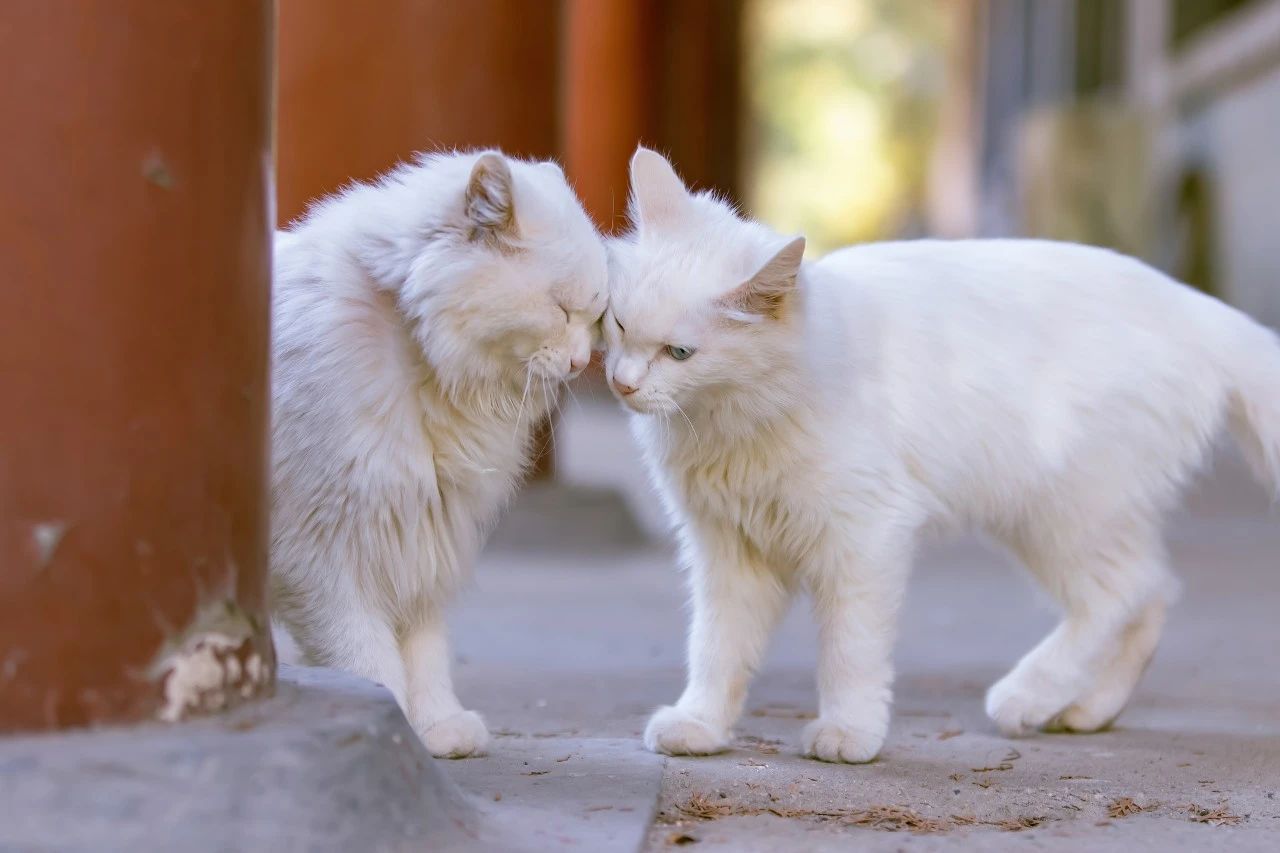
[806, 422]
[421, 327]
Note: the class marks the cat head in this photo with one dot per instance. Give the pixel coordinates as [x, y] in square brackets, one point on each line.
[701, 301]
[508, 277]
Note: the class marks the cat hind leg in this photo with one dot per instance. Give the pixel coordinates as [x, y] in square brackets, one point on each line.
[1108, 583]
[1099, 706]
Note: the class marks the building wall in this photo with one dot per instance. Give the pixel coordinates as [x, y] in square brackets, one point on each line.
[1239, 132]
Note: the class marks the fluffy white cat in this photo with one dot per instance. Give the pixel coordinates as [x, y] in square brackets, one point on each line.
[805, 422]
[422, 324]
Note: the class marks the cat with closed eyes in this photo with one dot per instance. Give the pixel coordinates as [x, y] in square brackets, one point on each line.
[422, 325]
[806, 423]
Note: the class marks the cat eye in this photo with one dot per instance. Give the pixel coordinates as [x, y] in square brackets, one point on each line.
[568, 318]
[679, 353]
[621, 328]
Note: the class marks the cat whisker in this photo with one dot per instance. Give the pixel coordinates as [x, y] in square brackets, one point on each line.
[548, 409]
[557, 404]
[692, 429]
[573, 396]
[528, 377]
[557, 399]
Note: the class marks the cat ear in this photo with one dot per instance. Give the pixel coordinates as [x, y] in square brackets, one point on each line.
[553, 167]
[657, 194]
[765, 294]
[489, 202]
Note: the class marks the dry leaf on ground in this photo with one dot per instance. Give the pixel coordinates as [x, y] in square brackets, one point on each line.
[1125, 806]
[894, 818]
[702, 807]
[1218, 816]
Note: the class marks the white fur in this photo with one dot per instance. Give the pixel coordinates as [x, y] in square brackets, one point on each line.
[1054, 396]
[418, 338]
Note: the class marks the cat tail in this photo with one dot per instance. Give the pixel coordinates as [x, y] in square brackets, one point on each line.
[1255, 400]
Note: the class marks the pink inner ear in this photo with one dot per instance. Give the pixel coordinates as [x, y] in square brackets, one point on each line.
[489, 200]
[754, 297]
[658, 196]
[766, 292]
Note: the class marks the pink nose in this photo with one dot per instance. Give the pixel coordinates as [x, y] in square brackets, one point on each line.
[623, 388]
[577, 365]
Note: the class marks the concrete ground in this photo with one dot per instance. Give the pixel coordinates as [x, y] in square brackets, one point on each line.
[574, 632]
[328, 763]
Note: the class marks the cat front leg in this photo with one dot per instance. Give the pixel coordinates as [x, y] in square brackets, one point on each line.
[446, 728]
[737, 602]
[334, 629]
[857, 592]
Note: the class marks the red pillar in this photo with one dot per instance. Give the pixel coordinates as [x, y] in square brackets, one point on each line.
[608, 54]
[697, 91]
[363, 86]
[134, 245]
[663, 72]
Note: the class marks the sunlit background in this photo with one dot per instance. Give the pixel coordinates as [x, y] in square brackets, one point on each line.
[1150, 126]
[843, 100]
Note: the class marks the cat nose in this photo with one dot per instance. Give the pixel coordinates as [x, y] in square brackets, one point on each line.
[578, 363]
[623, 388]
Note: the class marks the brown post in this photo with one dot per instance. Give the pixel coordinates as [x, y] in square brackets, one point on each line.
[607, 58]
[662, 72]
[697, 82]
[134, 253]
[363, 88]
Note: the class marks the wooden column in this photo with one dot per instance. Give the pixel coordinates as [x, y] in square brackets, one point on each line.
[134, 246]
[697, 76]
[663, 72]
[608, 58]
[363, 86]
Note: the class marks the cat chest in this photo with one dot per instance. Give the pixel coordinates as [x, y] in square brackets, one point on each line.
[431, 522]
[769, 515]
[444, 490]
[478, 485]
[473, 462]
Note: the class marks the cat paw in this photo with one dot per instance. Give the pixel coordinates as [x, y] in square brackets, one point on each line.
[1019, 706]
[826, 740]
[461, 736]
[1082, 718]
[1098, 708]
[675, 732]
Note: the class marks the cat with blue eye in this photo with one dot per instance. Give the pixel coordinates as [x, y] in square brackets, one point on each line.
[807, 422]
